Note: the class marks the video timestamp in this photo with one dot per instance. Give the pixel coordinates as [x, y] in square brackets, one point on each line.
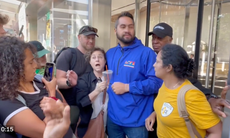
[7, 129]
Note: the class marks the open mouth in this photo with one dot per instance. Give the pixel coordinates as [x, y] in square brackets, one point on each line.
[97, 65]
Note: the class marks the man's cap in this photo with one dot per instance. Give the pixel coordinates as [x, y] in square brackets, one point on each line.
[41, 51]
[162, 30]
[88, 30]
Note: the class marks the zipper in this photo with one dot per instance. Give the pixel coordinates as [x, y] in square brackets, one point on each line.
[120, 59]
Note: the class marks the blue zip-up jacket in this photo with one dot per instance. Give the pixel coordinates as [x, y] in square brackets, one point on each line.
[132, 65]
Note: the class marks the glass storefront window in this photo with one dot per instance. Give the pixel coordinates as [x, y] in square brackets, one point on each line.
[182, 16]
[65, 21]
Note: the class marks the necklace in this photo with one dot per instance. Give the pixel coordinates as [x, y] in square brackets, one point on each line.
[176, 84]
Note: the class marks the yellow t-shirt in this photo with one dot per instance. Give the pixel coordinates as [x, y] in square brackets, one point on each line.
[169, 122]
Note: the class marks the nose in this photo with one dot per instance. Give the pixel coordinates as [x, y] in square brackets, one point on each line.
[155, 40]
[97, 58]
[154, 65]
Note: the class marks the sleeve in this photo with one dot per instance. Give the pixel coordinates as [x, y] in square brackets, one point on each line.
[197, 84]
[82, 90]
[13, 107]
[151, 84]
[199, 110]
[64, 60]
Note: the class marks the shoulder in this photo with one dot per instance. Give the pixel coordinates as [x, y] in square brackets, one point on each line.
[195, 96]
[145, 50]
[66, 53]
[86, 76]
[13, 108]
[111, 50]
[85, 79]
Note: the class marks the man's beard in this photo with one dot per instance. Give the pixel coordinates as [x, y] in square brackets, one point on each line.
[125, 41]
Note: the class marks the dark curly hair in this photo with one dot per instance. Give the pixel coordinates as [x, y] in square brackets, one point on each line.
[12, 57]
[179, 59]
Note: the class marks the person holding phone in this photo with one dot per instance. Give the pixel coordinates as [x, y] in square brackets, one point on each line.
[21, 93]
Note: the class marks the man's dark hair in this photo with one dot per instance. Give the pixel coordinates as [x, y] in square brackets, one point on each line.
[12, 56]
[123, 14]
[178, 58]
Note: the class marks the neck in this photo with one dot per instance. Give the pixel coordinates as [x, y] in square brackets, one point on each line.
[97, 74]
[124, 45]
[80, 47]
[26, 86]
[172, 82]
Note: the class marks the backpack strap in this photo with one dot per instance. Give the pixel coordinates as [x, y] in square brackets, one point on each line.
[74, 58]
[21, 99]
[183, 111]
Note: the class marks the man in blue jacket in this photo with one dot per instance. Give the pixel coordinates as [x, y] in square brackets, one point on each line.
[133, 84]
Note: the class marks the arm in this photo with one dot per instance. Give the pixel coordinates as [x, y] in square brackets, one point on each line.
[84, 96]
[62, 67]
[61, 79]
[151, 84]
[63, 99]
[197, 84]
[149, 122]
[216, 103]
[215, 131]
[57, 126]
[200, 112]
[23, 123]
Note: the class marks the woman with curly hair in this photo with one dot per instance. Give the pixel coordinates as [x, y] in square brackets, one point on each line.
[174, 66]
[20, 93]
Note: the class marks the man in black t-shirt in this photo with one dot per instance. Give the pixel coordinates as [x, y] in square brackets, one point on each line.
[67, 78]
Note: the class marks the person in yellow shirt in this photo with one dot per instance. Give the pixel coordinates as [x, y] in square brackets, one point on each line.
[174, 66]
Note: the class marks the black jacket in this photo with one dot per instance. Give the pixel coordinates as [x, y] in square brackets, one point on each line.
[86, 84]
[197, 84]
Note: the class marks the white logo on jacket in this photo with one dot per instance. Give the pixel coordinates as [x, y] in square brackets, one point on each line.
[166, 109]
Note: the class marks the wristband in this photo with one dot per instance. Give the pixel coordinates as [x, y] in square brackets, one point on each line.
[212, 96]
[54, 98]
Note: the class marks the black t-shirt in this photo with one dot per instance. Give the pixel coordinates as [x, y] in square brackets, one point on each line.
[64, 63]
[32, 102]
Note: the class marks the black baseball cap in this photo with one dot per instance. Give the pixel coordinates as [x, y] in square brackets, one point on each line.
[162, 30]
[88, 30]
[41, 51]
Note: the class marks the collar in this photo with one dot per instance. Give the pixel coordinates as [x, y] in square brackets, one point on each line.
[136, 43]
[93, 77]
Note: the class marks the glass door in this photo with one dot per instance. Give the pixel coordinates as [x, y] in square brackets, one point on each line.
[182, 16]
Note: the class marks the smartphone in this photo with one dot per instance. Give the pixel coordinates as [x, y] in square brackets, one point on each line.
[49, 70]
[20, 32]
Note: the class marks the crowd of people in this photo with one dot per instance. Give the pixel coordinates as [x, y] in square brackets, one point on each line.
[140, 100]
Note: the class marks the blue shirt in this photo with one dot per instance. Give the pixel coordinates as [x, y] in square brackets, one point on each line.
[132, 65]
